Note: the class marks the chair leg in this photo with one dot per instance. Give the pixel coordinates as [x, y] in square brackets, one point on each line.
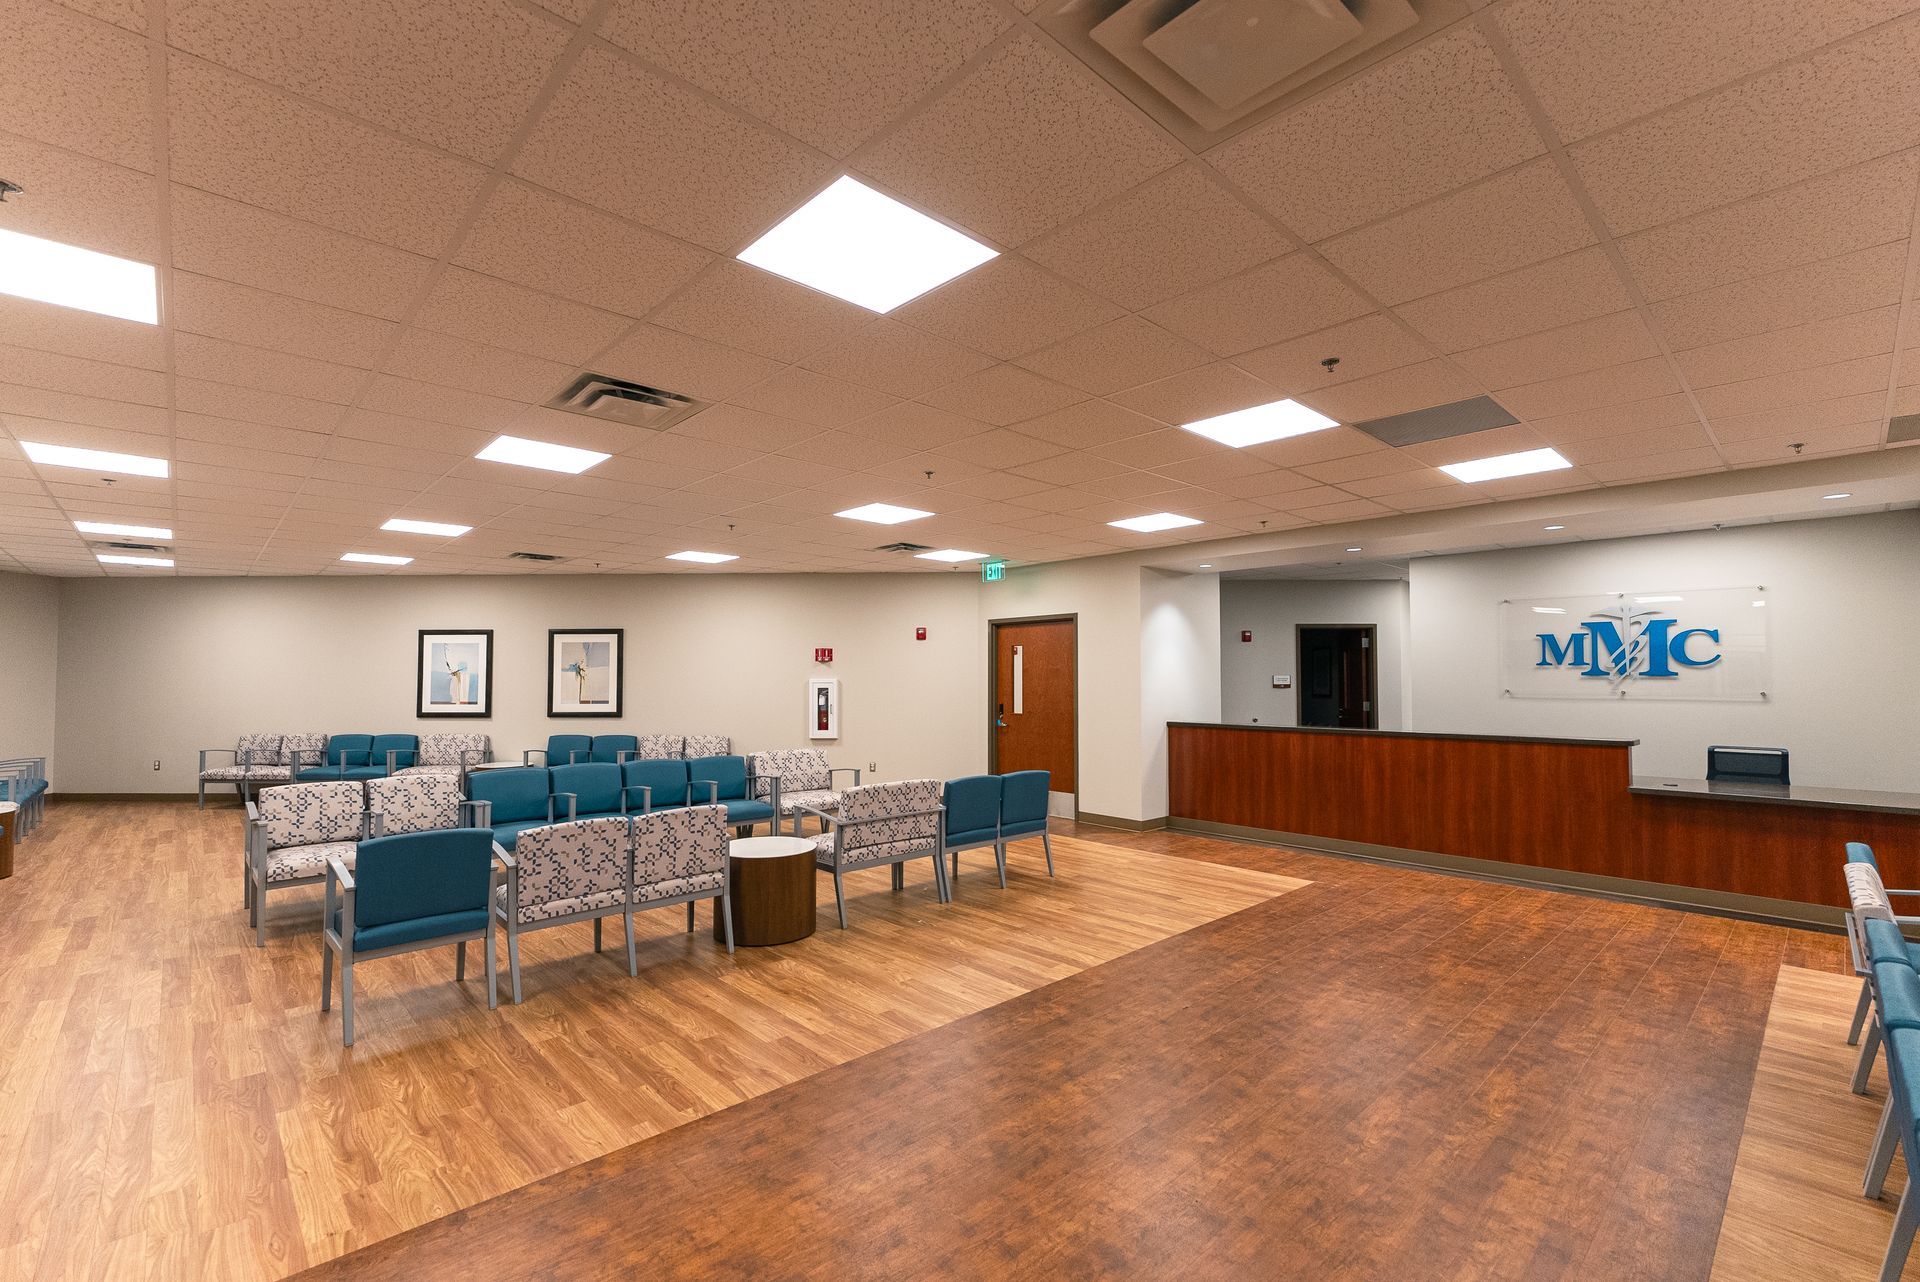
[955, 876]
[1901, 1240]
[493, 980]
[839, 899]
[1869, 1045]
[596, 933]
[259, 914]
[1000, 860]
[1860, 1009]
[900, 875]
[633, 957]
[346, 1001]
[1885, 1141]
[326, 975]
[513, 960]
[942, 888]
[726, 913]
[203, 794]
[1046, 844]
[689, 916]
[460, 962]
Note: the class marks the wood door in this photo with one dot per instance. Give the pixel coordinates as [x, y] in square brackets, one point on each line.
[1337, 678]
[1035, 699]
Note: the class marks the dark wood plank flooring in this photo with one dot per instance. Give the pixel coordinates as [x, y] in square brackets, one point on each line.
[1386, 1075]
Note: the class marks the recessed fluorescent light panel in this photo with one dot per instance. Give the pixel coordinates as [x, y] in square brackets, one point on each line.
[374, 558]
[161, 561]
[949, 554]
[1273, 421]
[1155, 523]
[1551, 528]
[50, 272]
[1501, 466]
[125, 531]
[854, 243]
[1836, 496]
[703, 558]
[400, 525]
[883, 513]
[544, 455]
[94, 460]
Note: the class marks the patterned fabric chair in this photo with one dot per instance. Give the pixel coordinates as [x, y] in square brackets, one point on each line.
[291, 833]
[680, 857]
[415, 803]
[806, 781]
[404, 893]
[1868, 899]
[563, 873]
[449, 754]
[707, 745]
[661, 747]
[255, 759]
[882, 824]
[298, 750]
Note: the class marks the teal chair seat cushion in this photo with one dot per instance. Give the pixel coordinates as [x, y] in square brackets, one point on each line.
[1903, 1067]
[728, 774]
[608, 747]
[516, 794]
[748, 812]
[322, 774]
[1899, 989]
[13, 788]
[1025, 828]
[972, 837]
[1859, 852]
[508, 833]
[1885, 943]
[667, 778]
[595, 786]
[369, 938]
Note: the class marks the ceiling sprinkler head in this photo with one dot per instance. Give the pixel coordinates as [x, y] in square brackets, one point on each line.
[1797, 446]
[1328, 362]
[10, 189]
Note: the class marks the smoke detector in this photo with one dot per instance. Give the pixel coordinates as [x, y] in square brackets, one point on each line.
[616, 400]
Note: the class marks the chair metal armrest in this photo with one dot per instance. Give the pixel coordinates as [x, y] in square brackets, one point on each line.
[824, 816]
[504, 856]
[337, 870]
[1854, 951]
[231, 752]
[482, 811]
[253, 813]
[373, 823]
[1903, 892]
[572, 799]
[843, 770]
[393, 759]
[713, 789]
[526, 757]
[646, 802]
[573, 756]
[773, 796]
[623, 756]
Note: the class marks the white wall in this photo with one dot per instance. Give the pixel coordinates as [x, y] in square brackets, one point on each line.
[29, 646]
[1179, 669]
[156, 669]
[1271, 609]
[1844, 614]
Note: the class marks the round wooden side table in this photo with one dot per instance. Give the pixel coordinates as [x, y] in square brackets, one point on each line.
[9, 817]
[770, 883]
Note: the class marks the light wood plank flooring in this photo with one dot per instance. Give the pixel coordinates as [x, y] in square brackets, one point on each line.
[1794, 1211]
[173, 1104]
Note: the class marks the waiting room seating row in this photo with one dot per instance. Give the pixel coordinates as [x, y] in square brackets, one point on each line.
[23, 781]
[991, 810]
[569, 749]
[517, 800]
[257, 759]
[266, 759]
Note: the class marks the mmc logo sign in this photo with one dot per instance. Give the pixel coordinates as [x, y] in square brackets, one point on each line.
[1630, 643]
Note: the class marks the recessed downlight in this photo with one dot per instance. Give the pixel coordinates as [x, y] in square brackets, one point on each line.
[1501, 466]
[1154, 522]
[375, 558]
[1551, 528]
[703, 558]
[94, 460]
[445, 530]
[69, 276]
[883, 513]
[856, 244]
[544, 455]
[159, 562]
[950, 554]
[1259, 424]
[1353, 549]
[124, 531]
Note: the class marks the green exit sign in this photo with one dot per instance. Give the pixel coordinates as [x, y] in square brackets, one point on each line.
[992, 571]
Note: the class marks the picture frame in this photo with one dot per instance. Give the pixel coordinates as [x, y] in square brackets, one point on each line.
[586, 674]
[823, 708]
[454, 674]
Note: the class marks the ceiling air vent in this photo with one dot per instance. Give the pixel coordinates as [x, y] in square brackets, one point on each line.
[903, 547]
[1903, 427]
[1439, 422]
[534, 556]
[1207, 69]
[617, 401]
[131, 547]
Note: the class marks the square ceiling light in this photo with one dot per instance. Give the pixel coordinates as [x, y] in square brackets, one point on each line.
[124, 531]
[94, 460]
[883, 514]
[108, 558]
[703, 558]
[1502, 466]
[1155, 523]
[854, 243]
[375, 558]
[544, 455]
[1274, 421]
[400, 525]
[949, 554]
[50, 272]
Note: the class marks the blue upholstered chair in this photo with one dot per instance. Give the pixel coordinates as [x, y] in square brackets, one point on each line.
[511, 801]
[973, 819]
[561, 750]
[567, 872]
[393, 753]
[588, 790]
[23, 781]
[680, 857]
[1023, 809]
[343, 755]
[725, 781]
[1898, 988]
[1885, 946]
[877, 825]
[654, 783]
[404, 893]
[615, 748]
[292, 831]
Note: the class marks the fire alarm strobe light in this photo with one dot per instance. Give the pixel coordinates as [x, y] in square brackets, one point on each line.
[823, 655]
[919, 634]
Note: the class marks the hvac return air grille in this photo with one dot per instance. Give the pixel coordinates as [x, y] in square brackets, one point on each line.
[534, 556]
[1439, 422]
[615, 400]
[903, 547]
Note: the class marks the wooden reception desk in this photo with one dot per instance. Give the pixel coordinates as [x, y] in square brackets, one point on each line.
[1566, 811]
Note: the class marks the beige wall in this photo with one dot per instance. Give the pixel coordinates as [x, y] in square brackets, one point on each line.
[29, 645]
[156, 669]
[1272, 609]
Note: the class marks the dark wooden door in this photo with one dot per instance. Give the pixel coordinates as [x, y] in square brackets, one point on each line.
[1337, 678]
[1035, 698]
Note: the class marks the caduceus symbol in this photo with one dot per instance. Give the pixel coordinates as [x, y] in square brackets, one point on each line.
[1624, 664]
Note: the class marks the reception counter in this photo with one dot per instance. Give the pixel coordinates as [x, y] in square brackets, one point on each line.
[1562, 811]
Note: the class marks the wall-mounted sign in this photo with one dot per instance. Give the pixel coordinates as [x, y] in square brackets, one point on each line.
[992, 571]
[823, 655]
[1706, 643]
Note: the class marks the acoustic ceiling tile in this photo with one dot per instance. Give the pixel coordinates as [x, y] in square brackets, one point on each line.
[1661, 411]
[1475, 445]
[1157, 449]
[1560, 291]
[77, 84]
[1651, 467]
[1272, 303]
[23, 405]
[26, 323]
[1000, 449]
[813, 398]
[1614, 339]
[1797, 420]
[410, 398]
[898, 359]
[1120, 354]
[52, 371]
[255, 405]
[666, 358]
[1196, 394]
[911, 426]
[432, 357]
[1089, 425]
[741, 306]
[197, 356]
[1006, 308]
[1411, 387]
[1076, 468]
[1629, 445]
[241, 314]
[1641, 380]
[1001, 395]
[78, 200]
[1322, 447]
[1861, 281]
[1371, 345]
[1821, 342]
[1846, 438]
[501, 314]
[1863, 375]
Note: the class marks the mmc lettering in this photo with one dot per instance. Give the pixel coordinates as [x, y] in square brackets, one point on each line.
[1630, 644]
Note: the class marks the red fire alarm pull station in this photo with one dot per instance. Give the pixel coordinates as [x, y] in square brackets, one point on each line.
[1246, 636]
[823, 656]
[919, 634]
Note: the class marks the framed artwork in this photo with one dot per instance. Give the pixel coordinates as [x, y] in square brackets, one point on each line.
[823, 708]
[456, 674]
[584, 676]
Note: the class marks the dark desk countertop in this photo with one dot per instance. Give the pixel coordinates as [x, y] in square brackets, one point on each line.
[1891, 803]
[1407, 734]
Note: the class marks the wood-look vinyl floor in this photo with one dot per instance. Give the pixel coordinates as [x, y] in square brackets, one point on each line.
[1386, 1075]
[173, 1104]
[1794, 1213]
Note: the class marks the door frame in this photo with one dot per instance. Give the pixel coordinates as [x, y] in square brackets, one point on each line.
[993, 689]
[1373, 667]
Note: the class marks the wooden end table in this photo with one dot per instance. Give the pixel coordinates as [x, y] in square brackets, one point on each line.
[770, 884]
[9, 818]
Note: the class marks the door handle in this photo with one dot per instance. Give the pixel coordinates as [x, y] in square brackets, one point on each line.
[1000, 716]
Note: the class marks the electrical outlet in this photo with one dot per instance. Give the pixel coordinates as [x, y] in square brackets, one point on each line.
[873, 767]
[156, 763]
